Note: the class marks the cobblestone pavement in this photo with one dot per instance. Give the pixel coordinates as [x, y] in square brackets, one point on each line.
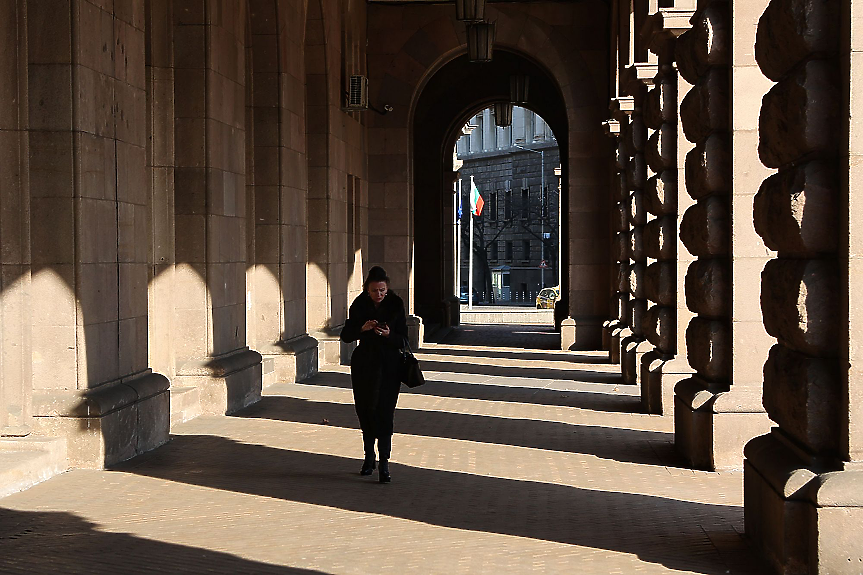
[506, 461]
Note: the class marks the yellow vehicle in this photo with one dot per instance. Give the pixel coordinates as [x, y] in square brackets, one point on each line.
[547, 296]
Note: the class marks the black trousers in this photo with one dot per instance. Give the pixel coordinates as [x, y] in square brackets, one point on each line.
[376, 391]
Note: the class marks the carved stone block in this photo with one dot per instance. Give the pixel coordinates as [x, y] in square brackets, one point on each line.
[660, 238]
[800, 302]
[660, 282]
[705, 107]
[801, 115]
[802, 395]
[661, 152]
[660, 196]
[708, 287]
[707, 168]
[708, 348]
[791, 30]
[704, 228]
[796, 210]
[706, 44]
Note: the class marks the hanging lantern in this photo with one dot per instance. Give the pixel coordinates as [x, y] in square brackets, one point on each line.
[503, 114]
[480, 41]
[518, 88]
[470, 10]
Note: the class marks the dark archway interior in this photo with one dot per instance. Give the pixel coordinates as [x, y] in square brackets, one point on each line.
[457, 90]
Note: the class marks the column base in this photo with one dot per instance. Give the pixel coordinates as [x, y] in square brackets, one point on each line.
[615, 348]
[108, 424]
[581, 333]
[631, 350]
[608, 328]
[225, 383]
[801, 517]
[331, 349]
[711, 428]
[416, 331]
[291, 360]
[659, 374]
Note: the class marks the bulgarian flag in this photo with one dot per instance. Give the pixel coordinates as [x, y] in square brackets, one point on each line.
[476, 201]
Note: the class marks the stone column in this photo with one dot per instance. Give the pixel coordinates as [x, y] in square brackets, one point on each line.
[276, 207]
[620, 330]
[636, 345]
[803, 481]
[210, 217]
[661, 368]
[713, 418]
[620, 248]
[16, 378]
[90, 232]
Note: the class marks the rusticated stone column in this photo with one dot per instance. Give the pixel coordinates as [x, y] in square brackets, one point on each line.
[633, 346]
[718, 409]
[619, 323]
[803, 481]
[659, 368]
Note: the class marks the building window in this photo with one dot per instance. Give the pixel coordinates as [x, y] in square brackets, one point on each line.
[525, 205]
[494, 248]
[525, 246]
[509, 250]
[492, 206]
[507, 206]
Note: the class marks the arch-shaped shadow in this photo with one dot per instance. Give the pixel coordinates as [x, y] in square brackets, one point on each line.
[617, 444]
[660, 530]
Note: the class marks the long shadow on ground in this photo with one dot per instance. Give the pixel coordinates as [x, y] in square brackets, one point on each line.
[660, 530]
[59, 542]
[587, 376]
[625, 445]
[594, 401]
[526, 355]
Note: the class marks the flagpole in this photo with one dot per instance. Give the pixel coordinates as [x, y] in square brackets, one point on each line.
[458, 243]
[470, 255]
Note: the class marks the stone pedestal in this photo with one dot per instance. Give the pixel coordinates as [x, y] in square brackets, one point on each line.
[803, 517]
[293, 360]
[225, 383]
[711, 427]
[416, 331]
[659, 373]
[108, 424]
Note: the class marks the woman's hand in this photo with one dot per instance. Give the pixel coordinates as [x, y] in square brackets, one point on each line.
[369, 325]
[383, 329]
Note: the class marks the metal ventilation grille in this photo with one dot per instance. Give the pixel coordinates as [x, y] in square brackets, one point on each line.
[358, 93]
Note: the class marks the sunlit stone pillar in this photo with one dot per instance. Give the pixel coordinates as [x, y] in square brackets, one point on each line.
[803, 481]
[16, 380]
[660, 368]
[210, 213]
[90, 232]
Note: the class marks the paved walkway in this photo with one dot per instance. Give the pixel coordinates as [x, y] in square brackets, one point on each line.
[506, 461]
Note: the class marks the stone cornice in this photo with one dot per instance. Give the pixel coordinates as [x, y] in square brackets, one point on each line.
[662, 27]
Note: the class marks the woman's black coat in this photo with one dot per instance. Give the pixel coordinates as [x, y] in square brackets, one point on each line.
[376, 362]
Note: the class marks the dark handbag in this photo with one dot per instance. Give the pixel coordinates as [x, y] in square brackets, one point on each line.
[410, 374]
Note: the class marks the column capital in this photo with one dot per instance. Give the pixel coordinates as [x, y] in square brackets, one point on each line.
[612, 128]
[622, 105]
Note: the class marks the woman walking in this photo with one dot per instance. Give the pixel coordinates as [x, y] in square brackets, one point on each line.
[377, 320]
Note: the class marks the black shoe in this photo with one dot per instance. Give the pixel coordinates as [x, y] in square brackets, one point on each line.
[384, 472]
[368, 466]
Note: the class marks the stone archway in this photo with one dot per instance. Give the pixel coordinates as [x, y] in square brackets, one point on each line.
[438, 117]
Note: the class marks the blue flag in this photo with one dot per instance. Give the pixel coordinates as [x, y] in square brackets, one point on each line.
[459, 213]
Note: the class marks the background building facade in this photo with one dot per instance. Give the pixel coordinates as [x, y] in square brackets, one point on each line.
[517, 235]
